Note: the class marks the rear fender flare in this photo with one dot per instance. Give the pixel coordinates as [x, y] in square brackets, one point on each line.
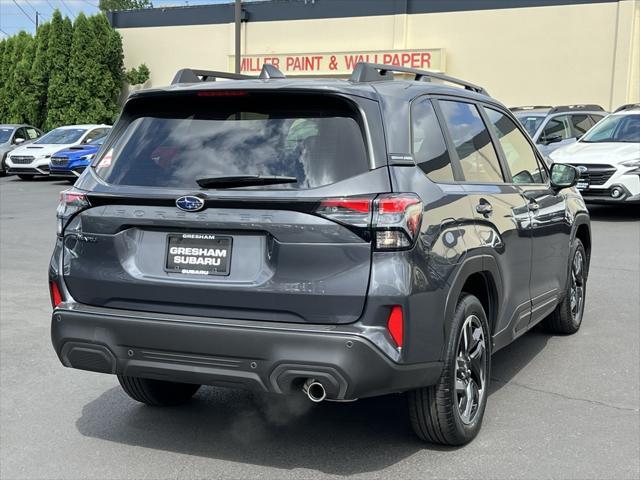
[484, 264]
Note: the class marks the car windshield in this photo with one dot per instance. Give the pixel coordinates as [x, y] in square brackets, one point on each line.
[5, 134]
[615, 129]
[61, 136]
[530, 122]
[317, 140]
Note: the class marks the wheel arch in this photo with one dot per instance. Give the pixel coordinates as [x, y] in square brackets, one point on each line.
[582, 231]
[479, 276]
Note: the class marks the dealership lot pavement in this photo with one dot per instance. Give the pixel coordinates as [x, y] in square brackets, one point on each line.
[560, 407]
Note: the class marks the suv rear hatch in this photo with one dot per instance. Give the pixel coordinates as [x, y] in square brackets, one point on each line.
[293, 252]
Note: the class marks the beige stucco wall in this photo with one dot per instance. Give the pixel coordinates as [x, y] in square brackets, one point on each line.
[543, 55]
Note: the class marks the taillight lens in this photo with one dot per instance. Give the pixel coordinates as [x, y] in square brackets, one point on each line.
[395, 325]
[355, 211]
[56, 296]
[72, 201]
[395, 218]
[397, 221]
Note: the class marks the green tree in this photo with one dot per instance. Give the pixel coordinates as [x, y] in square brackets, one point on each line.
[18, 82]
[111, 67]
[109, 5]
[4, 45]
[39, 78]
[137, 76]
[6, 73]
[59, 95]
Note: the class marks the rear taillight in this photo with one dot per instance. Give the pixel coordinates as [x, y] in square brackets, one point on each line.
[56, 296]
[395, 325]
[396, 221]
[72, 201]
[394, 218]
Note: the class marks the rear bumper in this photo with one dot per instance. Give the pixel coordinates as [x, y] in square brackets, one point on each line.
[271, 358]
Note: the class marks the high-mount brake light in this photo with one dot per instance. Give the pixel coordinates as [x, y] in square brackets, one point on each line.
[222, 93]
[72, 201]
[396, 220]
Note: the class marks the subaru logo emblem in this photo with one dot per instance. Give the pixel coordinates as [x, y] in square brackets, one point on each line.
[189, 203]
[582, 169]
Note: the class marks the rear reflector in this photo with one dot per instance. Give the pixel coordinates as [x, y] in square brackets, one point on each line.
[56, 296]
[395, 325]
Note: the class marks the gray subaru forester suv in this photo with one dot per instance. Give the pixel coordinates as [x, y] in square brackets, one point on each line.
[335, 238]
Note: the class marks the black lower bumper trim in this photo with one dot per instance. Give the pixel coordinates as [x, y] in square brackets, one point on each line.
[265, 359]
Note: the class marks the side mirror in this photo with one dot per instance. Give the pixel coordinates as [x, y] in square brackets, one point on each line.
[563, 175]
[18, 141]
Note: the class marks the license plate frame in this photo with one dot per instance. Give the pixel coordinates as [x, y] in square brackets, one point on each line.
[210, 248]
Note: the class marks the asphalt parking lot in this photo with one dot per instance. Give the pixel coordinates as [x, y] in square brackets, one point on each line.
[560, 407]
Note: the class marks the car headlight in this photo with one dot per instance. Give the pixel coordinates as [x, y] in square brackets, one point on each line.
[88, 157]
[631, 163]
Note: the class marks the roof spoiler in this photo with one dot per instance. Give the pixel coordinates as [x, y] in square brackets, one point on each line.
[375, 72]
[192, 75]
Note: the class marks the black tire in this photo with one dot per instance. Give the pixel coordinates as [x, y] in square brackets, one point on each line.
[435, 411]
[157, 393]
[22, 176]
[567, 317]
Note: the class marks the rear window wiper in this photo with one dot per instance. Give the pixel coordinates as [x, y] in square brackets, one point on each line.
[234, 181]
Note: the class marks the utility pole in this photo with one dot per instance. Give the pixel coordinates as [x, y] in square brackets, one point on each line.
[238, 18]
[37, 20]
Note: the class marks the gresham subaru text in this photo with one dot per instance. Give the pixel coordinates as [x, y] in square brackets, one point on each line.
[374, 235]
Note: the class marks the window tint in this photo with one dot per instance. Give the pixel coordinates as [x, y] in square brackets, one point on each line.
[60, 136]
[557, 128]
[317, 139]
[472, 141]
[581, 123]
[615, 128]
[429, 148]
[519, 154]
[94, 135]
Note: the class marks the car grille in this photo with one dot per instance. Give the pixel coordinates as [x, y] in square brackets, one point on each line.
[596, 174]
[59, 161]
[21, 160]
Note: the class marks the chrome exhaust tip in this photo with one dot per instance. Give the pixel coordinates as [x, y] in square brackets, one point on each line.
[314, 390]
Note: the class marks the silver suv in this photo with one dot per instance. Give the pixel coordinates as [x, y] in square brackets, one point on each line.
[554, 127]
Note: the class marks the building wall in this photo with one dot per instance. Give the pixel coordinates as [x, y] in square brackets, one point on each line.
[554, 54]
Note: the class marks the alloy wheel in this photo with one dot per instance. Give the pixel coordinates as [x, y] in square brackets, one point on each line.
[471, 369]
[576, 293]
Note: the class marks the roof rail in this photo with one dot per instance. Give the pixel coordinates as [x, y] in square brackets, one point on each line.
[529, 107]
[576, 108]
[628, 106]
[191, 75]
[372, 72]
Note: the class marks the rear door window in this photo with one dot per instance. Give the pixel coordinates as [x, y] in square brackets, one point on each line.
[173, 141]
[429, 148]
[472, 141]
[581, 123]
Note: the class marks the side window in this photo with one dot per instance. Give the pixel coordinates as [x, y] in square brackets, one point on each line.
[96, 133]
[478, 157]
[581, 123]
[557, 129]
[596, 118]
[428, 145]
[20, 135]
[32, 133]
[519, 154]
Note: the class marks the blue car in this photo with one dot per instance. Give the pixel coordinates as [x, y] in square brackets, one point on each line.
[72, 161]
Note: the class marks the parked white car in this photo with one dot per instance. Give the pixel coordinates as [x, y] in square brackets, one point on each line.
[34, 159]
[608, 158]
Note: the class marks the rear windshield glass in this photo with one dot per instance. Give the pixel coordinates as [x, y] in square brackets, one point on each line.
[173, 141]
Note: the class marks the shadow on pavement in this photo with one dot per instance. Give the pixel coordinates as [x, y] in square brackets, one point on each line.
[614, 213]
[281, 432]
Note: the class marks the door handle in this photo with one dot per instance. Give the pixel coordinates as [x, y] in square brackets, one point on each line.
[484, 208]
